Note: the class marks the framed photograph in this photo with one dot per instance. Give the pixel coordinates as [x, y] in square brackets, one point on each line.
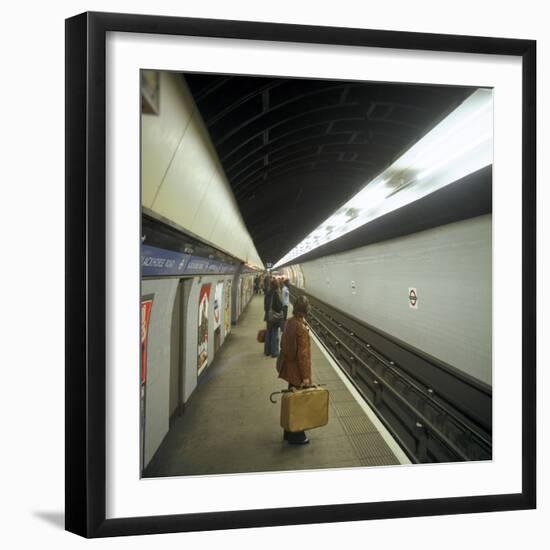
[364, 197]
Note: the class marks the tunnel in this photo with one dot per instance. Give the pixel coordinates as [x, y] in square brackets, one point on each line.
[365, 209]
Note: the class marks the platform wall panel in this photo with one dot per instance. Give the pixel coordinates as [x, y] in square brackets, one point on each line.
[158, 362]
[451, 269]
[191, 376]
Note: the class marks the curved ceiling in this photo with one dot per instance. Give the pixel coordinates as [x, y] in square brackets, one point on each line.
[295, 150]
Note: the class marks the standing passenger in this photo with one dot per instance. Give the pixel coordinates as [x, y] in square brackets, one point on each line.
[295, 358]
[286, 300]
[272, 304]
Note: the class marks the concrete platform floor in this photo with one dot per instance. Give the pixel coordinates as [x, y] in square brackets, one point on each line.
[230, 426]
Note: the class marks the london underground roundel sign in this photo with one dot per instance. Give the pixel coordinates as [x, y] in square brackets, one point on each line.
[413, 298]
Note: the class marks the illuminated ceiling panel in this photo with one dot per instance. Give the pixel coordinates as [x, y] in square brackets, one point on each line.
[459, 145]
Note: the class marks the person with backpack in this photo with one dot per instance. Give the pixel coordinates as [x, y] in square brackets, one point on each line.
[273, 308]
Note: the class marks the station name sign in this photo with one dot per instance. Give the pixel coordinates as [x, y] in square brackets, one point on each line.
[159, 261]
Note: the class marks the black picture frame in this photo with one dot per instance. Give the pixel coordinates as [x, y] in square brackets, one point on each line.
[86, 278]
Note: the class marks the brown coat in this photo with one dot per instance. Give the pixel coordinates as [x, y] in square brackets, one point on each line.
[295, 352]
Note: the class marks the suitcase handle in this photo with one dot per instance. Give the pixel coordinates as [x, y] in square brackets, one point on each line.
[293, 389]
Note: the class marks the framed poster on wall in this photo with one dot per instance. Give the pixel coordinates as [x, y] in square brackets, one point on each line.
[146, 307]
[218, 305]
[204, 302]
[105, 54]
[227, 309]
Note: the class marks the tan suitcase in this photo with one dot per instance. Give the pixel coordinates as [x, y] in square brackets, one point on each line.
[304, 409]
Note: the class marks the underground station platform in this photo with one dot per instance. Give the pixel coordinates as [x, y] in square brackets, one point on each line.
[230, 425]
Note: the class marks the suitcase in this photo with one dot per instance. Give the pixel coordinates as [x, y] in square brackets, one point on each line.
[304, 409]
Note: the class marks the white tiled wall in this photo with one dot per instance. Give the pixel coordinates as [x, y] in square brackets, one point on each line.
[451, 268]
[182, 178]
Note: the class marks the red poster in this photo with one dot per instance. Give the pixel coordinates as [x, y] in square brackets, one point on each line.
[146, 307]
[204, 299]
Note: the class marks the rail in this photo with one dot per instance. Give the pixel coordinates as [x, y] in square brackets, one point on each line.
[425, 422]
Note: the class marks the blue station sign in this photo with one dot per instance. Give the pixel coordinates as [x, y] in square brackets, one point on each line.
[159, 261]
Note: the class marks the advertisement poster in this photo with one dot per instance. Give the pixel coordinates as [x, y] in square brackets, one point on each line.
[227, 309]
[204, 299]
[218, 304]
[146, 307]
[247, 289]
[239, 302]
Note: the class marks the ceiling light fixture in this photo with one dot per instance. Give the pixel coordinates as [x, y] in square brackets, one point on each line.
[459, 145]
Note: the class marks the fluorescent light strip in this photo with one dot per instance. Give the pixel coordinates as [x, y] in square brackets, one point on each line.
[459, 145]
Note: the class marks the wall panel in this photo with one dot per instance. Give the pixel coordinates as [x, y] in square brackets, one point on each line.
[158, 362]
[182, 179]
[450, 267]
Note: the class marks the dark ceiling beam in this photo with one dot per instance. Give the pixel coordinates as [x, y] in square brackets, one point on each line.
[256, 93]
[217, 83]
[272, 121]
[337, 174]
[346, 113]
[274, 110]
[272, 144]
[335, 139]
[274, 167]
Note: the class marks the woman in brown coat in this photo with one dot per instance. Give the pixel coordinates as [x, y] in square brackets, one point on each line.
[295, 357]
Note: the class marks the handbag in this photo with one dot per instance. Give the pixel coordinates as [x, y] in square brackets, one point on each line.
[260, 337]
[274, 317]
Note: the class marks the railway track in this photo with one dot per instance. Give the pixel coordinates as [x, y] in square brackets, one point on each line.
[435, 414]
